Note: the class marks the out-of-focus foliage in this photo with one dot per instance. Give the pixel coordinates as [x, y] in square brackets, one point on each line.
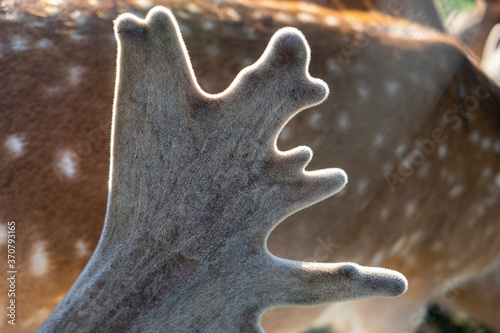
[458, 322]
[449, 8]
[437, 322]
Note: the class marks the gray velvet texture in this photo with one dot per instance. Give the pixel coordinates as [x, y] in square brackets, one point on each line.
[196, 186]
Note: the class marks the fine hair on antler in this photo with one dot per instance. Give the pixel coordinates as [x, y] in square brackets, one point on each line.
[196, 186]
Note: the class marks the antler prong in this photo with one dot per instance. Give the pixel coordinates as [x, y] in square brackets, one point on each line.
[300, 283]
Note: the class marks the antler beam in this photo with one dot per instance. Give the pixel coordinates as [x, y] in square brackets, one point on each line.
[196, 186]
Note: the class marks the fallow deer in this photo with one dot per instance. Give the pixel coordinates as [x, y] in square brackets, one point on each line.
[407, 103]
[481, 296]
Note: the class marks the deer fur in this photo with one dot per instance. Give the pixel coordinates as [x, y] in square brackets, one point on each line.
[394, 84]
[196, 186]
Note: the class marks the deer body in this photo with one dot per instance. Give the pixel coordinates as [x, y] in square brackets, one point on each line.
[385, 108]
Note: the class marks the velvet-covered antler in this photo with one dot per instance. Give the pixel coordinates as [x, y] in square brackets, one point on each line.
[196, 186]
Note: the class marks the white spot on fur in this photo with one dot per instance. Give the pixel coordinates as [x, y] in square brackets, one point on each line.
[486, 143]
[363, 91]
[18, 43]
[184, 15]
[362, 186]
[233, 15]
[306, 18]
[474, 137]
[52, 10]
[378, 141]
[82, 248]
[357, 26]
[400, 149]
[14, 17]
[66, 163]
[410, 208]
[208, 25]
[456, 191]
[144, 4]
[497, 180]
[78, 18]
[406, 164]
[331, 21]
[384, 214]
[193, 8]
[344, 121]
[377, 259]
[3, 234]
[396, 248]
[75, 74]
[36, 24]
[391, 88]
[315, 120]
[44, 44]
[257, 15]
[15, 144]
[284, 18]
[442, 150]
[39, 259]
[77, 37]
[332, 65]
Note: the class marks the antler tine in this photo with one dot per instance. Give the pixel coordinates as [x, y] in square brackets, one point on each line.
[278, 85]
[196, 186]
[291, 283]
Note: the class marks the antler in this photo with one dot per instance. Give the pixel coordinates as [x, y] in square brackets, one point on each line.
[196, 186]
